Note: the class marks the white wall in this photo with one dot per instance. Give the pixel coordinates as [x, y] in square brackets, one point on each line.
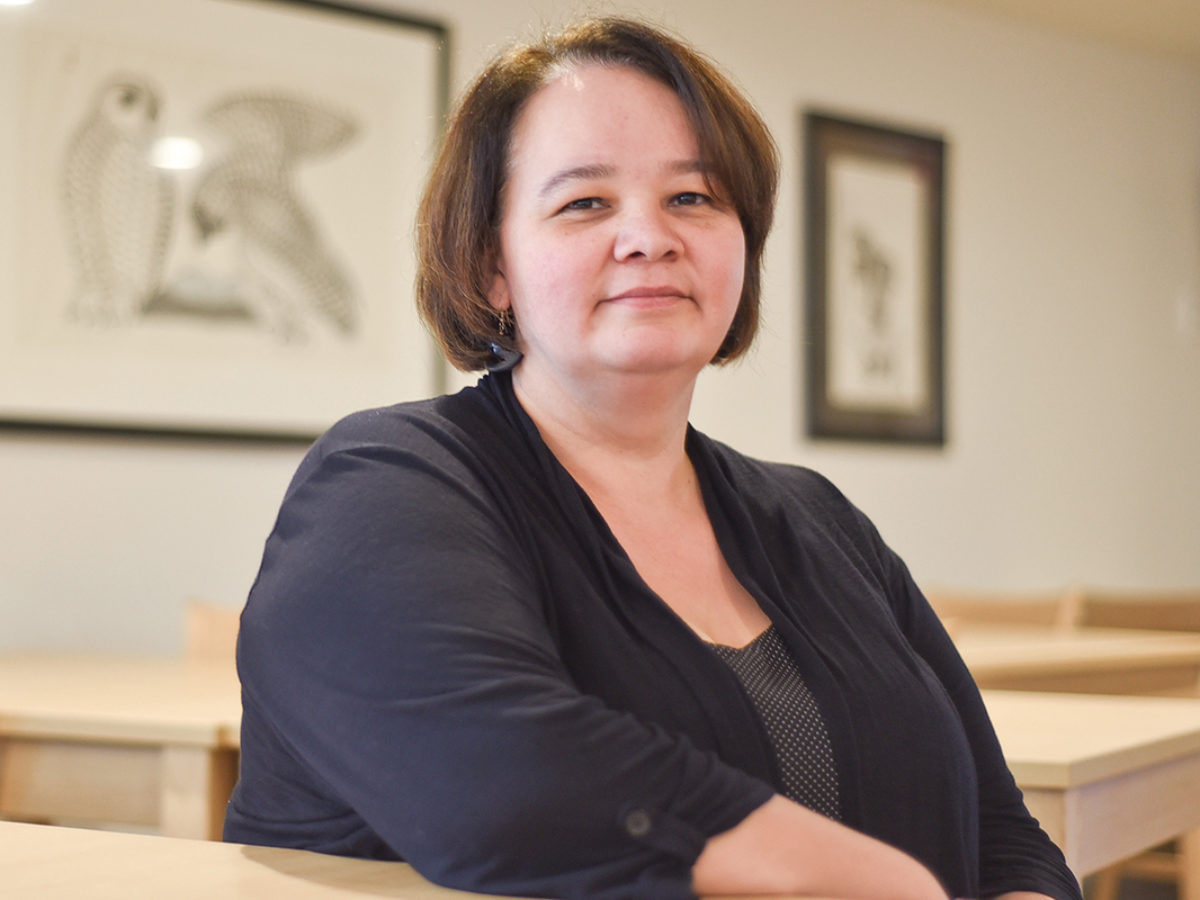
[1074, 397]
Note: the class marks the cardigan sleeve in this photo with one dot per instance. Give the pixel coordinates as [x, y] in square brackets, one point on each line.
[394, 649]
[1015, 853]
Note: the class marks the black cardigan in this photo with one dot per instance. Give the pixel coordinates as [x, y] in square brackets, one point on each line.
[448, 658]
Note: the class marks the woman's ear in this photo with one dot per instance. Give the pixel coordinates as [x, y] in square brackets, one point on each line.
[498, 295]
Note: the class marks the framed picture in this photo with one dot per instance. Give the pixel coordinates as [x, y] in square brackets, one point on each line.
[206, 213]
[874, 320]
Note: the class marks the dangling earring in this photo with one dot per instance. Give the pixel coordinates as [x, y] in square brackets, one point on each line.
[504, 358]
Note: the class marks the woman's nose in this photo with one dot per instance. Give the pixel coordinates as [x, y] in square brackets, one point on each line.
[646, 234]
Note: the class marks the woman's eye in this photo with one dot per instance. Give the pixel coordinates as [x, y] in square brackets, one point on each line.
[690, 198]
[584, 203]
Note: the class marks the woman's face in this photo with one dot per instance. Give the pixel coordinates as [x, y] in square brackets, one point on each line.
[615, 257]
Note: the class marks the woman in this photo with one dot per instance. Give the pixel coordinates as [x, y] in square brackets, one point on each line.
[542, 638]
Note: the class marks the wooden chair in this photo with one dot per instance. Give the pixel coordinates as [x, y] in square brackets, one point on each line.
[1157, 610]
[210, 630]
[1153, 609]
[1052, 609]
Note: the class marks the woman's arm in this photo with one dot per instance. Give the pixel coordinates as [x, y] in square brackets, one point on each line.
[1014, 850]
[784, 848]
[1016, 857]
[395, 656]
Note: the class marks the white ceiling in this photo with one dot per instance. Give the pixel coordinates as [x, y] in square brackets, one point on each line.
[1167, 27]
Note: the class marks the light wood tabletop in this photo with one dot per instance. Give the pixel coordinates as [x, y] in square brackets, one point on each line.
[1089, 660]
[154, 743]
[52, 863]
[49, 863]
[120, 699]
[1106, 776]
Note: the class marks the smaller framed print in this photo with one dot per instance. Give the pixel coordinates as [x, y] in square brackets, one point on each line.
[874, 305]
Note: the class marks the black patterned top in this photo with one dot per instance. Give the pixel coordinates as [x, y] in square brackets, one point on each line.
[791, 717]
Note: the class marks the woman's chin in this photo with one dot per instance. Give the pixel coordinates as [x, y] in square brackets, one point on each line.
[658, 357]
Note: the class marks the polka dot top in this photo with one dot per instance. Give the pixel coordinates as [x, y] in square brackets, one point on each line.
[792, 719]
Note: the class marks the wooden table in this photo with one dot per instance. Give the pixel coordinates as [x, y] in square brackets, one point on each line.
[149, 742]
[51, 863]
[154, 742]
[1084, 660]
[1106, 776]
[1099, 661]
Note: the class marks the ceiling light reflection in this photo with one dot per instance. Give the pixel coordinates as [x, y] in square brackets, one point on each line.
[176, 153]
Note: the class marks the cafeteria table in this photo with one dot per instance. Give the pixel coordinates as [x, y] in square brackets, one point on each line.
[153, 743]
[132, 741]
[52, 863]
[1107, 776]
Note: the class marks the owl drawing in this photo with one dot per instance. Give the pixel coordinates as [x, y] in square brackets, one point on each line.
[117, 205]
[290, 277]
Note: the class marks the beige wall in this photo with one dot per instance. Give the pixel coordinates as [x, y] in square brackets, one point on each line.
[1074, 396]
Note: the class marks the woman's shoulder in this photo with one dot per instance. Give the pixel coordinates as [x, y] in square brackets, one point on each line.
[415, 421]
[464, 428]
[448, 438]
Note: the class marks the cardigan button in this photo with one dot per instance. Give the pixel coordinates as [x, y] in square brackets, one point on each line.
[638, 823]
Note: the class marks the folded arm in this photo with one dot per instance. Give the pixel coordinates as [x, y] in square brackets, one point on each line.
[783, 848]
[395, 646]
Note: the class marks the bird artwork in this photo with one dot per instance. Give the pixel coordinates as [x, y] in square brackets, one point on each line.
[117, 205]
[287, 273]
[873, 271]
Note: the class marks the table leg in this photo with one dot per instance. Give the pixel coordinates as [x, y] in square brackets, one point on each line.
[197, 782]
[1189, 853]
[1189, 866]
[1106, 884]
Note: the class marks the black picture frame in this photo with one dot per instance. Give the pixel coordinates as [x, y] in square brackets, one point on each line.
[361, 94]
[874, 305]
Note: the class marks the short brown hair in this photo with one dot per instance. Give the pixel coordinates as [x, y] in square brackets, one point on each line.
[459, 218]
